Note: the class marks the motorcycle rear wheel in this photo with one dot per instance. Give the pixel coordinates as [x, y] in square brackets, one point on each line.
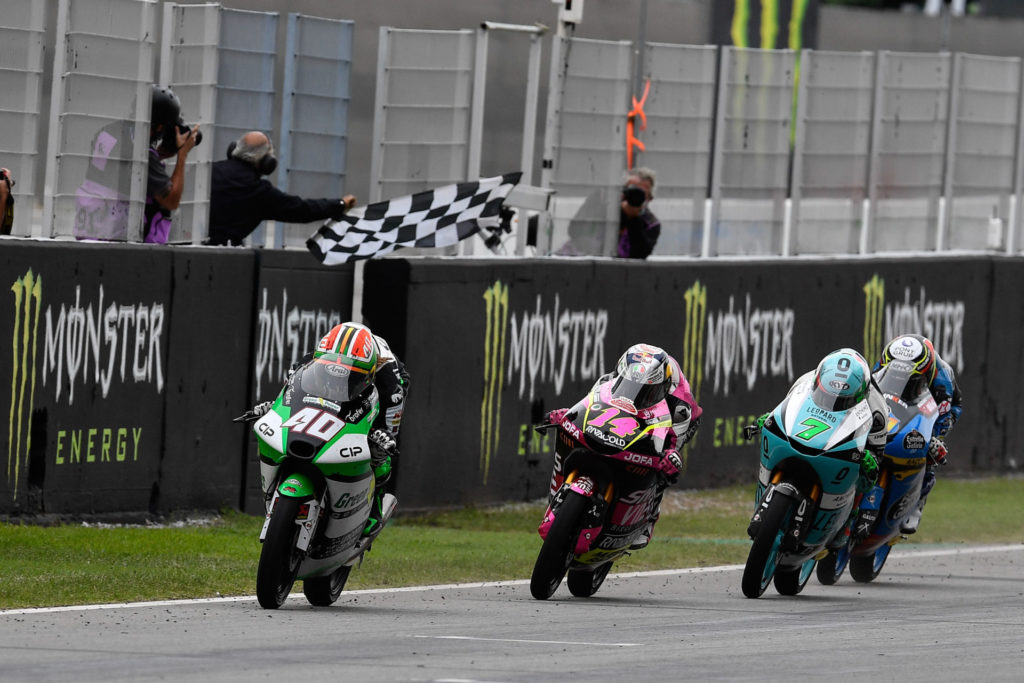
[764, 553]
[832, 566]
[867, 567]
[792, 581]
[279, 559]
[583, 582]
[324, 590]
[557, 552]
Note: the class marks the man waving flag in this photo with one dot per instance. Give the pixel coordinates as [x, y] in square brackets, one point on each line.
[433, 218]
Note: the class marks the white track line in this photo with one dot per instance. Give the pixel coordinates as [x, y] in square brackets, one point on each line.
[521, 640]
[902, 552]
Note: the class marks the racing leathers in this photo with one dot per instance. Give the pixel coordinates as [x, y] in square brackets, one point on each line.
[686, 416]
[946, 392]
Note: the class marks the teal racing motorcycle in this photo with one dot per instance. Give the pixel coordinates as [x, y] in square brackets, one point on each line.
[811, 448]
[318, 481]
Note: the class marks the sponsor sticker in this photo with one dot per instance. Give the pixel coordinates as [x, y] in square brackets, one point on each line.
[624, 404]
[913, 441]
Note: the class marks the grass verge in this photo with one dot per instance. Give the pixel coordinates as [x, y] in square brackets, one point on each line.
[71, 564]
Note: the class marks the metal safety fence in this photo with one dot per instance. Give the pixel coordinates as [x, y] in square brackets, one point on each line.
[758, 152]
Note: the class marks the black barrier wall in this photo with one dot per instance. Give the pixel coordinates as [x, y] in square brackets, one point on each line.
[121, 366]
[85, 375]
[493, 345]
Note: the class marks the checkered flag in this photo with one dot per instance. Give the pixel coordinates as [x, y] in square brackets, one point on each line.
[434, 218]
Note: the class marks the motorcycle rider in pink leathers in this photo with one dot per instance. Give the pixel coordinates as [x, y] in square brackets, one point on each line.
[662, 379]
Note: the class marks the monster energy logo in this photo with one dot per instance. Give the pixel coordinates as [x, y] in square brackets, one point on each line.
[28, 294]
[496, 327]
[696, 298]
[940, 321]
[874, 310]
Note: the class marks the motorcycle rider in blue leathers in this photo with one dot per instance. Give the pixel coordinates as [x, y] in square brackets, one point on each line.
[931, 371]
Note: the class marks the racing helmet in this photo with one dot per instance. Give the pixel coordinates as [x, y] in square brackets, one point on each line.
[355, 342]
[841, 380]
[166, 107]
[332, 376]
[914, 355]
[643, 375]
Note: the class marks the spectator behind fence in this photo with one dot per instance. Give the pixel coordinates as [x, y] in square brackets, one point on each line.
[241, 198]
[639, 228]
[6, 202]
[168, 136]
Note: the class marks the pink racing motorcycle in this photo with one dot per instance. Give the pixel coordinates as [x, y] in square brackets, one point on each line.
[604, 486]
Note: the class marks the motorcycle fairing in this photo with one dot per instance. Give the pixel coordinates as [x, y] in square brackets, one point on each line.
[911, 422]
[610, 426]
[822, 429]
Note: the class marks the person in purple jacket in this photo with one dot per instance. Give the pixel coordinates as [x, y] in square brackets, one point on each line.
[639, 228]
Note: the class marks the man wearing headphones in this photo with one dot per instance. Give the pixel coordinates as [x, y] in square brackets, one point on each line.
[241, 198]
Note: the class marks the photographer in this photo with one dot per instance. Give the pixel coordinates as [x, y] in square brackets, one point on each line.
[639, 229]
[6, 202]
[241, 198]
[168, 136]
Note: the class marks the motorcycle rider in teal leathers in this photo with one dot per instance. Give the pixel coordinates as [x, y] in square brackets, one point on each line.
[843, 379]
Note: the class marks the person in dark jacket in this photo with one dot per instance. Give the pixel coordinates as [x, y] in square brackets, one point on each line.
[241, 198]
[639, 228]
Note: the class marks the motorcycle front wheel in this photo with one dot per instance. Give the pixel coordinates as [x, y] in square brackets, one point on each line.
[866, 568]
[832, 566]
[583, 582]
[279, 559]
[557, 552]
[764, 553]
[324, 590]
[792, 581]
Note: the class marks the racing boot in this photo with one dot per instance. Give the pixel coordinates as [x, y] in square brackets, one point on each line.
[377, 518]
[910, 524]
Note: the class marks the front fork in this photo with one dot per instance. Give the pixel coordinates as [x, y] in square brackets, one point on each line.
[591, 525]
[803, 514]
[308, 518]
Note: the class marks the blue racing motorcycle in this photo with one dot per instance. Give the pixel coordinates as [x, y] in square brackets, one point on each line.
[912, 415]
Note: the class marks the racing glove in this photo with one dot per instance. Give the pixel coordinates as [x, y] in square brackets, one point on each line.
[556, 416]
[868, 473]
[260, 409]
[754, 430]
[381, 444]
[937, 451]
[671, 466]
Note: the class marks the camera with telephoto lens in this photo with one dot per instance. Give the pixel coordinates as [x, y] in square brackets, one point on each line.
[169, 143]
[634, 195]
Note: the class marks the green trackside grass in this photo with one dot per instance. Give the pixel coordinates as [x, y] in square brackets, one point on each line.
[71, 564]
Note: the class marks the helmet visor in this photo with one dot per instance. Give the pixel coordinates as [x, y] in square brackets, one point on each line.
[642, 395]
[829, 401]
[899, 379]
[331, 377]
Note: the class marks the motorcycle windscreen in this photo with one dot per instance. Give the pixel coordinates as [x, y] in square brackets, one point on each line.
[640, 395]
[332, 377]
[899, 379]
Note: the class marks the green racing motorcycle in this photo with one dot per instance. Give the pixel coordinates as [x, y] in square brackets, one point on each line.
[318, 481]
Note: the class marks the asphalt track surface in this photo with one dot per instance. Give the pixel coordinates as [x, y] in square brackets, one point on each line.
[934, 614]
